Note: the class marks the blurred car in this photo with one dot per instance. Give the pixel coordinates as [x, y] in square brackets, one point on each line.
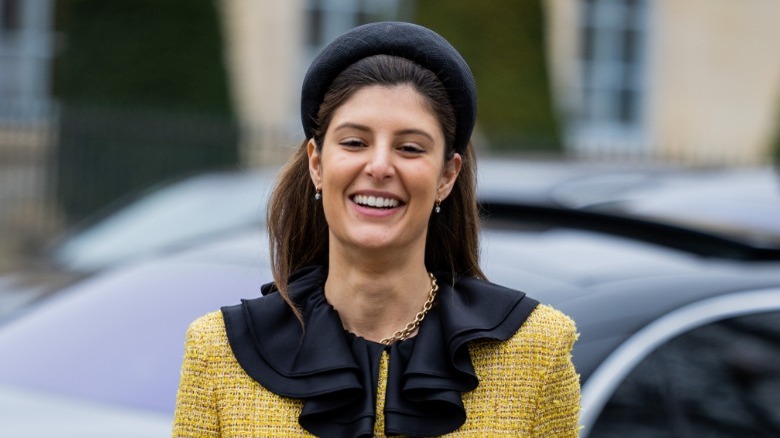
[679, 327]
[741, 204]
[166, 218]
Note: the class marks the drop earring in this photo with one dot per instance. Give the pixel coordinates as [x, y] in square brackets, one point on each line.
[318, 195]
[437, 209]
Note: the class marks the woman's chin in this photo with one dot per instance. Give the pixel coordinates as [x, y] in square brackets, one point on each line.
[377, 243]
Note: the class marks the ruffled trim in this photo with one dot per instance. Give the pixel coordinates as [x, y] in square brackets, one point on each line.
[331, 371]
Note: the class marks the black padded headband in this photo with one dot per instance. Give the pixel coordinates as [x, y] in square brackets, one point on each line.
[405, 40]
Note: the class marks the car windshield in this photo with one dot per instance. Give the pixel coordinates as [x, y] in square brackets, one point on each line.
[742, 205]
[175, 215]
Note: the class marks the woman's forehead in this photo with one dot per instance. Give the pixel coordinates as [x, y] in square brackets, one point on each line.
[398, 106]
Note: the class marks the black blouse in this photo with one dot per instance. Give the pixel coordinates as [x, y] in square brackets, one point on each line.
[336, 372]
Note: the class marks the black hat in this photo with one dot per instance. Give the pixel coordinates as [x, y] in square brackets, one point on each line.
[405, 40]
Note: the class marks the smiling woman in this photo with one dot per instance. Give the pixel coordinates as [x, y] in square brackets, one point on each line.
[380, 320]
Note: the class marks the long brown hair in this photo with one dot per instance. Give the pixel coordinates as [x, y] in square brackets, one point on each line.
[296, 223]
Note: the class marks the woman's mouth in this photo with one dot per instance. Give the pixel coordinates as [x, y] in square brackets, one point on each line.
[375, 201]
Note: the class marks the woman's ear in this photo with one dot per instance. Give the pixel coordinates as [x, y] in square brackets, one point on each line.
[315, 165]
[449, 175]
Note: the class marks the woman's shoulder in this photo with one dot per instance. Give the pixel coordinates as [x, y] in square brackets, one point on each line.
[207, 329]
[546, 328]
[547, 319]
[539, 317]
[544, 338]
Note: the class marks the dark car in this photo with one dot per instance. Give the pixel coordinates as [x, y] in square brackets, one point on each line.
[679, 326]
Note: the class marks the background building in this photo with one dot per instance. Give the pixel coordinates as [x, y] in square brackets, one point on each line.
[694, 81]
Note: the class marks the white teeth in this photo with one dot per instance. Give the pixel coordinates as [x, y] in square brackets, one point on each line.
[375, 201]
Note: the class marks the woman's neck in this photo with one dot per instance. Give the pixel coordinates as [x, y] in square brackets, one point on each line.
[376, 299]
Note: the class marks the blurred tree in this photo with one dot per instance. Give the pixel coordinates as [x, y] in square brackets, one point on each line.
[504, 43]
[144, 97]
[141, 53]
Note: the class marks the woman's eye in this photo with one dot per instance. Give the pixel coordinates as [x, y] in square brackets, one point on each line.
[352, 143]
[410, 148]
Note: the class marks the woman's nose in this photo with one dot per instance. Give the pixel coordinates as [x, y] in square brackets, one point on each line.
[380, 163]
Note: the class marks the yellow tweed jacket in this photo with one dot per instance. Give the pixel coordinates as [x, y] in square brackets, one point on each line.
[527, 386]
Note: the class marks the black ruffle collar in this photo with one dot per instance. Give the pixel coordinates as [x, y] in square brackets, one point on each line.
[326, 367]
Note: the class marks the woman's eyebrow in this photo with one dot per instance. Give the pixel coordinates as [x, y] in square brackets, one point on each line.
[350, 125]
[415, 132]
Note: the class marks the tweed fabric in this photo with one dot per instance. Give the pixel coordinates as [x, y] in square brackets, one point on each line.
[405, 40]
[528, 386]
[381, 388]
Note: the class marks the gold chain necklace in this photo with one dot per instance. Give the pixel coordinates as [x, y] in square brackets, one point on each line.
[400, 335]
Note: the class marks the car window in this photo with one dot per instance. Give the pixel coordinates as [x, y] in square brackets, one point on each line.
[718, 380]
[196, 208]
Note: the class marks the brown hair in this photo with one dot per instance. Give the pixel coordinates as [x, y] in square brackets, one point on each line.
[296, 223]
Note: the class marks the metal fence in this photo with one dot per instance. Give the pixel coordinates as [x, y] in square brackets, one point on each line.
[103, 154]
[27, 137]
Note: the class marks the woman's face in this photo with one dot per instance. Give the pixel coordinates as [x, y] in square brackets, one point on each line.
[381, 169]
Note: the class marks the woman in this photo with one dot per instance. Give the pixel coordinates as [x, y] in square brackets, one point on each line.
[380, 320]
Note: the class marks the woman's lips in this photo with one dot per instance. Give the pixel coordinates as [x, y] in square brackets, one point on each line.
[375, 205]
